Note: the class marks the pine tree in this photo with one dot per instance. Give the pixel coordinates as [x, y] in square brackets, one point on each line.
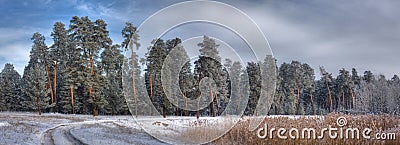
[35, 77]
[244, 91]
[327, 78]
[296, 87]
[286, 94]
[57, 55]
[356, 81]
[276, 107]
[253, 71]
[345, 87]
[177, 57]
[380, 94]
[394, 95]
[70, 76]
[80, 32]
[112, 62]
[136, 106]
[296, 73]
[308, 82]
[90, 37]
[209, 65]
[187, 85]
[97, 82]
[166, 106]
[369, 79]
[234, 82]
[269, 73]
[131, 36]
[320, 95]
[155, 60]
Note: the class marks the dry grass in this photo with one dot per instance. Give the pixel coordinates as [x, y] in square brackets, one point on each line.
[241, 135]
[204, 130]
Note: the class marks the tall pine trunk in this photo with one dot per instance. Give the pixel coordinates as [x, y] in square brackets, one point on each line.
[312, 102]
[38, 105]
[297, 97]
[186, 105]
[155, 85]
[329, 94]
[71, 91]
[347, 100]
[216, 98]
[343, 100]
[38, 101]
[334, 103]
[239, 103]
[134, 83]
[91, 88]
[212, 101]
[352, 98]
[50, 87]
[55, 86]
[198, 102]
[151, 86]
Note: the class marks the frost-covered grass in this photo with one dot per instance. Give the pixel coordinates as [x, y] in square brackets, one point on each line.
[378, 123]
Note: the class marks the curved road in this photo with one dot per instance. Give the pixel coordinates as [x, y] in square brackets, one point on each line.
[60, 135]
[106, 132]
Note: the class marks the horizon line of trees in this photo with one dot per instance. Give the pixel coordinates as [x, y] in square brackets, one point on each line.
[82, 72]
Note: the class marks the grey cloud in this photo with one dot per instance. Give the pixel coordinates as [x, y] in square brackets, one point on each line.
[335, 34]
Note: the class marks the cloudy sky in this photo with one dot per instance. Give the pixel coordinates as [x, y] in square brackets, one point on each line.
[334, 34]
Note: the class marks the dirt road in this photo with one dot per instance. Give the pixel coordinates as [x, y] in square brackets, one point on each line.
[59, 129]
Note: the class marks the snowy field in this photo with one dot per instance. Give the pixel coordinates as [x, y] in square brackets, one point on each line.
[49, 129]
[30, 128]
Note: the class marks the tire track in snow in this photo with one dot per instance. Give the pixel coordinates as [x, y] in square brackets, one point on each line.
[63, 133]
[60, 135]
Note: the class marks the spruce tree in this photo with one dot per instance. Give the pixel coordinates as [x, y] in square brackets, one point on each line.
[10, 89]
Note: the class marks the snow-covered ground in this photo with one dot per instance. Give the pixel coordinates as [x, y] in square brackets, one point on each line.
[48, 128]
[30, 128]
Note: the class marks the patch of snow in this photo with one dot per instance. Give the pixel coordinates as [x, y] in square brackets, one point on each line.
[293, 117]
[4, 124]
